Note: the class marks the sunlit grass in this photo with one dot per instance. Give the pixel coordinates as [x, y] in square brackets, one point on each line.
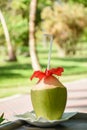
[4, 92]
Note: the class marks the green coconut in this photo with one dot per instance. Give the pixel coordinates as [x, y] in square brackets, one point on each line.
[49, 98]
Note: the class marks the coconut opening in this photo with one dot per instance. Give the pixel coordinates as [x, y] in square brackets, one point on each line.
[48, 83]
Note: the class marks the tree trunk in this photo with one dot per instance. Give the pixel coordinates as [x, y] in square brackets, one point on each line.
[61, 51]
[32, 41]
[11, 53]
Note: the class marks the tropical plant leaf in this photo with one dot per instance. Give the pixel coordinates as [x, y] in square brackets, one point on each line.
[2, 118]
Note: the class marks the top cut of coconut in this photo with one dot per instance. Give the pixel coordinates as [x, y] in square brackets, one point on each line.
[47, 80]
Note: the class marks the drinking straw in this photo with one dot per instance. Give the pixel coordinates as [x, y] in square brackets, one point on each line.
[50, 50]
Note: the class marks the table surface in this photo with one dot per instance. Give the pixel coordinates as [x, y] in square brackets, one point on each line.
[78, 122]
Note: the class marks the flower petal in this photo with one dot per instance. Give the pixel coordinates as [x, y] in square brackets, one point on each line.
[38, 74]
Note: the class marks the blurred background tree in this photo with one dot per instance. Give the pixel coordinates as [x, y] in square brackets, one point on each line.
[16, 16]
[84, 2]
[66, 23]
[32, 39]
[11, 53]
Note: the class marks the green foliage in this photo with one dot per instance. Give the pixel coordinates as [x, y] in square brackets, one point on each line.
[16, 16]
[84, 2]
[40, 5]
[66, 23]
[2, 118]
[2, 38]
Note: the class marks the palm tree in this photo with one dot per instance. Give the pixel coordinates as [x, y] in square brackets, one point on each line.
[32, 40]
[11, 53]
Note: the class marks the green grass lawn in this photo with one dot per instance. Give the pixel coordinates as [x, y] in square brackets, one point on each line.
[14, 77]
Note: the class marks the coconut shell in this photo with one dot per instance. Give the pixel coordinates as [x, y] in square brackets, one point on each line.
[49, 98]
